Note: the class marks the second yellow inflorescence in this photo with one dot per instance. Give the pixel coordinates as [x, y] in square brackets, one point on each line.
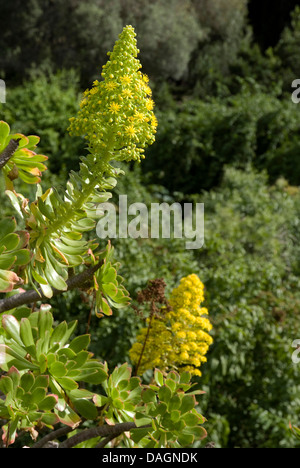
[178, 338]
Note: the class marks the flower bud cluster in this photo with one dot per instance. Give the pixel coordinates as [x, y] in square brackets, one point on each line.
[117, 113]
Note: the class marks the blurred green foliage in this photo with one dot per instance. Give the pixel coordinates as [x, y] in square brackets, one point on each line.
[288, 47]
[196, 138]
[250, 266]
[179, 40]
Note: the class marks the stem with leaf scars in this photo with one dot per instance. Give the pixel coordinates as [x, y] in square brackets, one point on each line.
[98, 171]
[28, 297]
[52, 436]
[8, 152]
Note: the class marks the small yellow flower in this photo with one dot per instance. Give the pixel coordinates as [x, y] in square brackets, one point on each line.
[127, 93]
[154, 122]
[184, 356]
[181, 334]
[114, 107]
[149, 104]
[148, 90]
[110, 85]
[192, 335]
[125, 80]
[176, 326]
[131, 131]
[139, 116]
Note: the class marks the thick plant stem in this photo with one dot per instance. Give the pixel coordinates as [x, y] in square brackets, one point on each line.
[103, 431]
[52, 436]
[8, 152]
[32, 296]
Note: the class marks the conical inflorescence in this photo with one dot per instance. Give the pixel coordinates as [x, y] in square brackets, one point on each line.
[117, 113]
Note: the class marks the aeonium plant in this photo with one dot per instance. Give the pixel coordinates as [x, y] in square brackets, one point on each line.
[51, 385]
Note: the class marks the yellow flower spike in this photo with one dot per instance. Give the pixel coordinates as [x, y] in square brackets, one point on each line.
[179, 338]
[114, 108]
[115, 101]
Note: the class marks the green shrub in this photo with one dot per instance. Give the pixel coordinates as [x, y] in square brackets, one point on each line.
[250, 266]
